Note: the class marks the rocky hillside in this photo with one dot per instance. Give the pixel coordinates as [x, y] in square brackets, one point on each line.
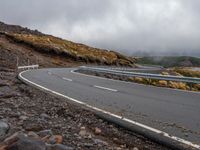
[56, 46]
[17, 29]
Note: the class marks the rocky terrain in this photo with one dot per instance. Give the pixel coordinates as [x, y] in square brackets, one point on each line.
[17, 29]
[33, 120]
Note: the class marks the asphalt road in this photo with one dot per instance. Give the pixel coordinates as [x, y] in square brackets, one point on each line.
[173, 111]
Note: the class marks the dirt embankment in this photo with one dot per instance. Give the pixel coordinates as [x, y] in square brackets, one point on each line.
[47, 120]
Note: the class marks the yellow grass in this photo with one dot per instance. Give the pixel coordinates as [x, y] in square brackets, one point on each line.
[75, 50]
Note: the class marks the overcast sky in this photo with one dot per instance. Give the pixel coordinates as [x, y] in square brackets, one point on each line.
[125, 25]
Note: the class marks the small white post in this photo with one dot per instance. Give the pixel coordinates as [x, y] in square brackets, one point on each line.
[17, 62]
[28, 63]
[36, 59]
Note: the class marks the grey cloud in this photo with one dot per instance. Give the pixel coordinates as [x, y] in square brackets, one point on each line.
[133, 25]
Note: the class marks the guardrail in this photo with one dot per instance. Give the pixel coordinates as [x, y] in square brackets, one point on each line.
[144, 75]
[131, 69]
[28, 67]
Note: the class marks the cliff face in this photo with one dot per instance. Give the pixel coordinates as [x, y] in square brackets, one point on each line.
[58, 47]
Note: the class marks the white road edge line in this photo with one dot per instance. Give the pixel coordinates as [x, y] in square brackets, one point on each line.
[67, 79]
[113, 115]
[105, 88]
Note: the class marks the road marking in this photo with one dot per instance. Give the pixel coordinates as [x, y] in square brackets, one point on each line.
[49, 73]
[183, 141]
[67, 79]
[105, 88]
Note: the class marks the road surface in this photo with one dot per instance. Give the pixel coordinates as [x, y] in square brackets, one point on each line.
[173, 111]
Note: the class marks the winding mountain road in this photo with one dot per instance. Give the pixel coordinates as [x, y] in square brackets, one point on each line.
[173, 111]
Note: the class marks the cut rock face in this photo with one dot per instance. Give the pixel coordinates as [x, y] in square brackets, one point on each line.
[4, 127]
[28, 144]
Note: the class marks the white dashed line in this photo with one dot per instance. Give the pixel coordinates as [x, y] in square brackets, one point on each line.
[104, 88]
[67, 79]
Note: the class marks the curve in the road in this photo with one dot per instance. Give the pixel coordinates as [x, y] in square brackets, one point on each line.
[149, 105]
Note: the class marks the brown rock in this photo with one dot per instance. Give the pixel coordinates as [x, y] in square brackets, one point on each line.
[30, 125]
[56, 139]
[97, 131]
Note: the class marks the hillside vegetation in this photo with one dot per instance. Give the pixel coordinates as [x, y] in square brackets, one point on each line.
[53, 45]
[187, 72]
[171, 61]
[79, 52]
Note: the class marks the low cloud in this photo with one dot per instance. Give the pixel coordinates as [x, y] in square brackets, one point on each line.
[129, 26]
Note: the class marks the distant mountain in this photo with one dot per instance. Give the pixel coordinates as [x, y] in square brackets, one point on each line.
[166, 53]
[56, 46]
[171, 61]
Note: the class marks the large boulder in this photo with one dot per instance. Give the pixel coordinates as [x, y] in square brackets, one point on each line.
[4, 127]
[26, 143]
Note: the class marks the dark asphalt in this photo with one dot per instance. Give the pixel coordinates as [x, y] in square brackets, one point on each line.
[173, 111]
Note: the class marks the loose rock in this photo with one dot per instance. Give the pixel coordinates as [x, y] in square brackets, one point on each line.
[97, 131]
[27, 143]
[82, 131]
[4, 127]
[44, 133]
[33, 134]
[56, 139]
[23, 117]
[58, 147]
[44, 116]
[100, 142]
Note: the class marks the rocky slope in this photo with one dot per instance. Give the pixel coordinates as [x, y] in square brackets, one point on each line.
[17, 29]
[48, 44]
